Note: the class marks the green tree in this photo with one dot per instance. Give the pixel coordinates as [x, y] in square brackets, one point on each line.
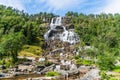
[11, 44]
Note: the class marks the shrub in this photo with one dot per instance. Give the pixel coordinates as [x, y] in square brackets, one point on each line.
[7, 62]
[106, 62]
[20, 61]
[52, 73]
[116, 69]
[83, 62]
[76, 57]
[104, 76]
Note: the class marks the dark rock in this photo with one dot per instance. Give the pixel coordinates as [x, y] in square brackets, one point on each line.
[2, 67]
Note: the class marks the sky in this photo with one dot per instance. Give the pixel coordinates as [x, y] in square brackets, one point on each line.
[60, 7]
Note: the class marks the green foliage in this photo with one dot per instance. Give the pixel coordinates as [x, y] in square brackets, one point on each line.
[83, 62]
[116, 69]
[10, 45]
[20, 61]
[6, 62]
[91, 53]
[104, 76]
[114, 79]
[101, 31]
[17, 28]
[76, 57]
[52, 73]
[32, 49]
[106, 62]
[48, 63]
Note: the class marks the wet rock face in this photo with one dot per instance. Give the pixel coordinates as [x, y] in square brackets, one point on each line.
[62, 32]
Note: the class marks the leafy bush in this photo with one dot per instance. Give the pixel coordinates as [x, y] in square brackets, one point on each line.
[52, 73]
[106, 62]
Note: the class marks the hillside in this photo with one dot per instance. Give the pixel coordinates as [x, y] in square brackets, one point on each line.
[98, 38]
[18, 29]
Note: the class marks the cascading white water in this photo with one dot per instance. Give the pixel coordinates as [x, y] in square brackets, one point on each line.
[69, 36]
[66, 36]
[56, 22]
[46, 34]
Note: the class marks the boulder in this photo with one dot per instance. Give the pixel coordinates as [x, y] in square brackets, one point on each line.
[83, 69]
[92, 75]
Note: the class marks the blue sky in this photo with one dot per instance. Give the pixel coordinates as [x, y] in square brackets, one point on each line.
[60, 7]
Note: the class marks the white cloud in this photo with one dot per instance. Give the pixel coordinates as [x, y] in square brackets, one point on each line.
[102, 6]
[61, 4]
[85, 6]
[112, 6]
[13, 3]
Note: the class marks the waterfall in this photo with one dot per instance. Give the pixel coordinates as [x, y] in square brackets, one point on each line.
[65, 36]
[46, 34]
[55, 22]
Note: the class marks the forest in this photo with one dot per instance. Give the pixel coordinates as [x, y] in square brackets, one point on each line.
[102, 31]
[17, 29]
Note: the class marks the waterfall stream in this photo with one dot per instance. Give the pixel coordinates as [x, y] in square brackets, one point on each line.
[58, 31]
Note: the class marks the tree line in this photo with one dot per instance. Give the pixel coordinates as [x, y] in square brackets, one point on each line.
[101, 31]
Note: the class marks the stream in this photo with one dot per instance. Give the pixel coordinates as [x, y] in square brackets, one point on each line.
[23, 77]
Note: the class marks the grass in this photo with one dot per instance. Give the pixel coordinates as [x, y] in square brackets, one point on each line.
[114, 79]
[30, 51]
[27, 54]
[116, 69]
[52, 73]
[83, 62]
[6, 62]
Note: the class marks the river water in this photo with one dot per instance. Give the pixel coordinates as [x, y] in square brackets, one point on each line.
[23, 77]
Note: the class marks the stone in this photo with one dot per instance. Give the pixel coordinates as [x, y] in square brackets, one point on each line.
[57, 67]
[46, 69]
[73, 67]
[92, 75]
[83, 69]
[41, 59]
